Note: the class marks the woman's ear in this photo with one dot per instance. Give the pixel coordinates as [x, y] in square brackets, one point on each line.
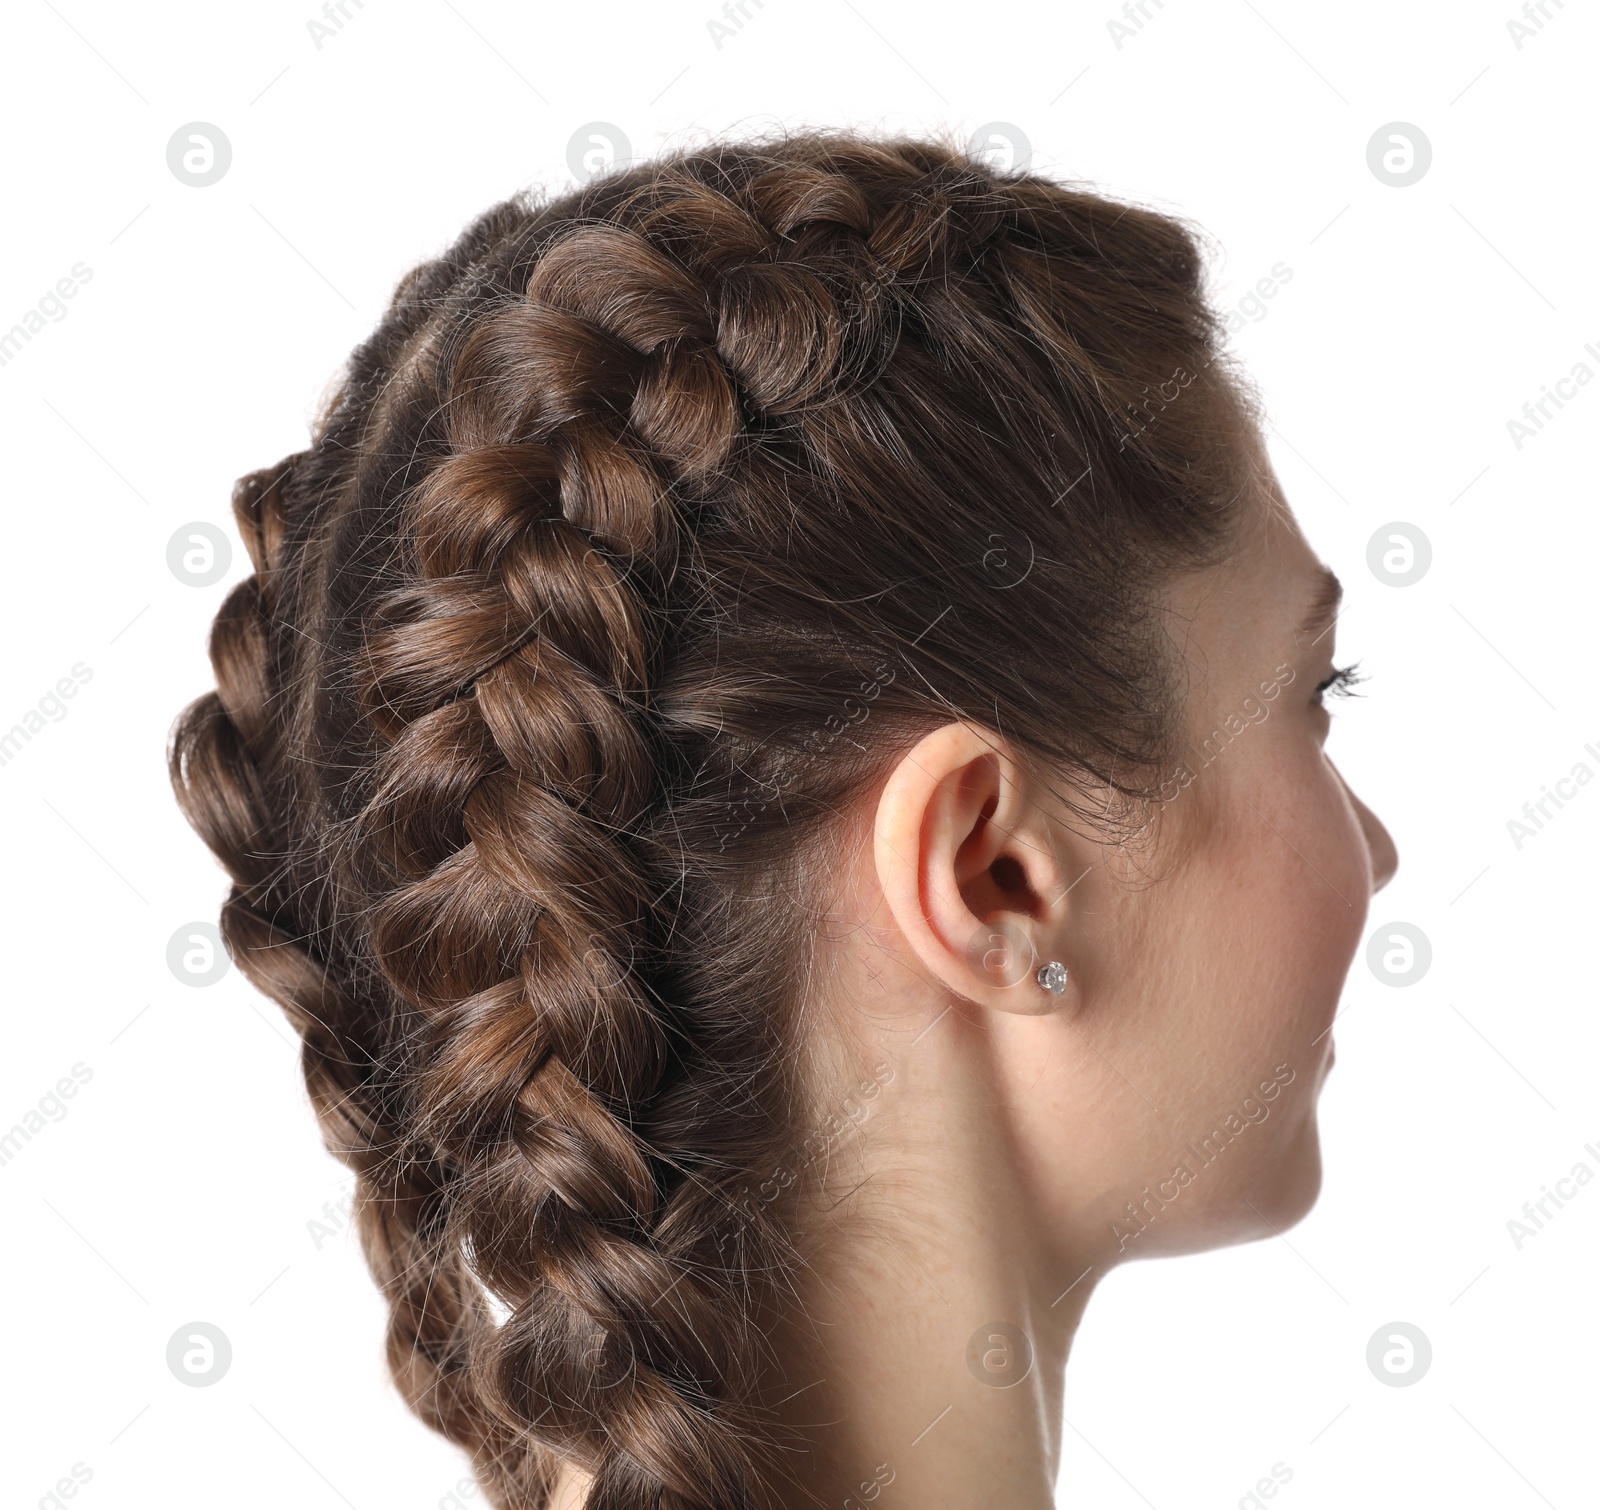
[966, 857]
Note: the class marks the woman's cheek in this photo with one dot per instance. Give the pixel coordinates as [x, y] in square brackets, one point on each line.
[1309, 875]
[1336, 870]
[1347, 844]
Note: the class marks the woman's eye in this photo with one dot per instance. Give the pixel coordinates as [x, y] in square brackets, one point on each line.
[1341, 682]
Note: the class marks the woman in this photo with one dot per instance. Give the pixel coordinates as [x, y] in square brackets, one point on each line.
[774, 753]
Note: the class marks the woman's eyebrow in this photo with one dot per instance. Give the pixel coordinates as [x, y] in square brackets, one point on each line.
[1324, 610]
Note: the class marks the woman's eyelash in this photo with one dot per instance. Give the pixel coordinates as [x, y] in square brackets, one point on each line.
[1342, 681]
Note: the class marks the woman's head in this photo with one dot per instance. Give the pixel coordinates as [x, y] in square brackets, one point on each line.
[1164, 1099]
[761, 549]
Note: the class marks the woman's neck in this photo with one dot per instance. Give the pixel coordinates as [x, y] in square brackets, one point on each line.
[924, 1342]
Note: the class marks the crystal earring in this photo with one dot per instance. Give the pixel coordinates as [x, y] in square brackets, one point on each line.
[1053, 977]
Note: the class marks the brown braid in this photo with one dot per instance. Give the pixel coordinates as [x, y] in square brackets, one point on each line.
[514, 756]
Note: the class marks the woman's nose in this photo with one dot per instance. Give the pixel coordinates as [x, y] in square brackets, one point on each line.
[1380, 843]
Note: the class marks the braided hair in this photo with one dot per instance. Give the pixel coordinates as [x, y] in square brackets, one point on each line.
[647, 525]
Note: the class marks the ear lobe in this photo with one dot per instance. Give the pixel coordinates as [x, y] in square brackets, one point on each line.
[964, 857]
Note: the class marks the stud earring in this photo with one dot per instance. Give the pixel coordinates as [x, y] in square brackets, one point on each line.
[1053, 977]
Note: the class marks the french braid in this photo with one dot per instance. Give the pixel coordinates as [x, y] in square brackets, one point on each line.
[513, 756]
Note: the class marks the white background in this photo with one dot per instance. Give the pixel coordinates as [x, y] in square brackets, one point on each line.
[180, 1183]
